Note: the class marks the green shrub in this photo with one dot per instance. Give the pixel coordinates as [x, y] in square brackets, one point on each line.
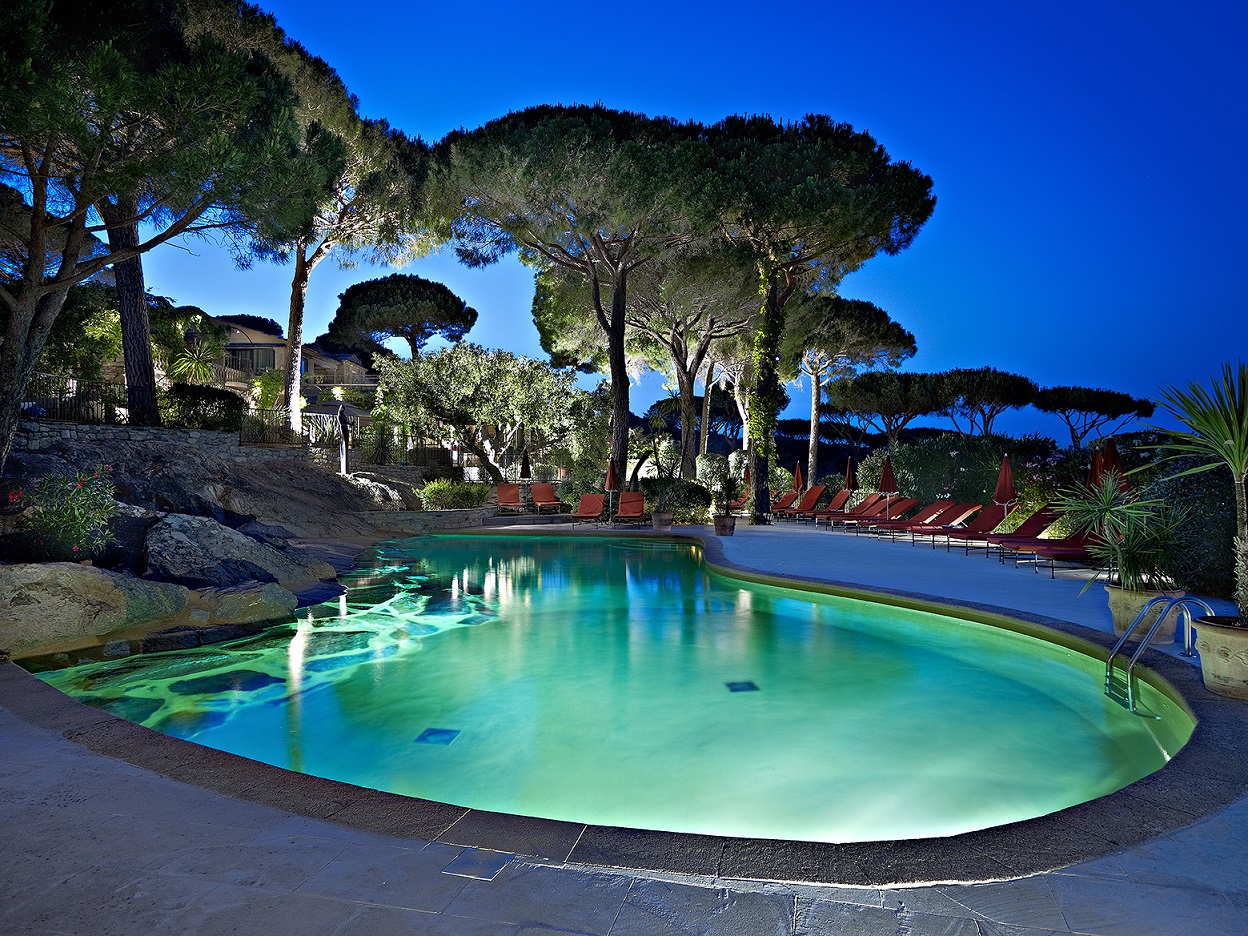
[445, 494]
[687, 500]
[190, 406]
[964, 468]
[70, 515]
[1203, 558]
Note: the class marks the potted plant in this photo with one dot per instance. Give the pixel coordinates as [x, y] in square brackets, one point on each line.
[666, 458]
[716, 475]
[727, 490]
[1133, 538]
[1215, 418]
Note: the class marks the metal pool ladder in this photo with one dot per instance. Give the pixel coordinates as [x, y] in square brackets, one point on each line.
[1185, 614]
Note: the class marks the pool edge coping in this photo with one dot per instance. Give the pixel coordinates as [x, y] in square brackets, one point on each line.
[1201, 779]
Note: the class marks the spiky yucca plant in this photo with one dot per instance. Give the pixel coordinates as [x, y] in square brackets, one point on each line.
[1216, 421]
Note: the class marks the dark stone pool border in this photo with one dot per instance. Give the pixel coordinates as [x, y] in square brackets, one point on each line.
[1208, 774]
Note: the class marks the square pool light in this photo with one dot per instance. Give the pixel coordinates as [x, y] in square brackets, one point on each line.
[438, 736]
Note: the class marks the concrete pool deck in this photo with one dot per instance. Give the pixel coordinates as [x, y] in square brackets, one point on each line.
[101, 838]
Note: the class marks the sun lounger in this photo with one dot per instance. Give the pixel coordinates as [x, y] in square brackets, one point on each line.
[1072, 548]
[632, 508]
[867, 507]
[836, 505]
[590, 509]
[784, 501]
[1030, 529]
[544, 498]
[806, 505]
[974, 533]
[893, 509]
[509, 499]
[954, 517]
[926, 514]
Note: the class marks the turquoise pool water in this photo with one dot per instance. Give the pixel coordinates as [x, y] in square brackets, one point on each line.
[618, 682]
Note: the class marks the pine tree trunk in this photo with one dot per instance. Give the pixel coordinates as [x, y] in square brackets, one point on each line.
[767, 393]
[812, 458]
[619, 376]
[704, 435]
[688, 415]
[294, 338]
[136, 334]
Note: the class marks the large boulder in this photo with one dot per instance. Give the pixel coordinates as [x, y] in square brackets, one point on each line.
[63, 602]
[250, 603]
[201, 553]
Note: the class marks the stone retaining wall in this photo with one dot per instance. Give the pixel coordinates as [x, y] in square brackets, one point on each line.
[38, 435]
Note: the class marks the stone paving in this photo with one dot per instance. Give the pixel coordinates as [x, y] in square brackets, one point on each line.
[93, 844]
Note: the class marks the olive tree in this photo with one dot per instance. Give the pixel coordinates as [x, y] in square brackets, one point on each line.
[488, 400]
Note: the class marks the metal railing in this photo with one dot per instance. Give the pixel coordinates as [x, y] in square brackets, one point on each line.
[68, 399]
[1185, 614]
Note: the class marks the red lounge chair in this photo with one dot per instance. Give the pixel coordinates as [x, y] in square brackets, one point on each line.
[632, 508]
[807, 503]
[958, 513]
[786, 500]
[836, 505]
[509, 498]
[1029, 530]
[544, 498]
[862, 509]
[893, 509]
[926, 514]
[1071, 549]
[974, 533]
[591, 508]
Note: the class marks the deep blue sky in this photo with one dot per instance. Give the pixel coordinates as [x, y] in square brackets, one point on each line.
[1087, 159]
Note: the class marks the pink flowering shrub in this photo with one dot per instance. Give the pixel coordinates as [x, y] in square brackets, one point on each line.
[68, 515]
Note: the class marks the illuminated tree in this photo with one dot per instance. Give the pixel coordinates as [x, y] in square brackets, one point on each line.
[810, 201]
[829, 337]
[114, 128]
[589, 190]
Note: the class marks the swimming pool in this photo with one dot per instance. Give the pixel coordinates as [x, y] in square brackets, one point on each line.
[619, 682]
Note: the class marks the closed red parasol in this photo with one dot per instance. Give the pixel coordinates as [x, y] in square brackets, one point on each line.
[851, 476]
[526, 470]
[1112, 461]
[611, 486]
[1097, 469]
[798, 483]
[1005, 495]
[888, 482]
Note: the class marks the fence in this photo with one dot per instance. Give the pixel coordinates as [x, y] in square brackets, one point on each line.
[68, 399]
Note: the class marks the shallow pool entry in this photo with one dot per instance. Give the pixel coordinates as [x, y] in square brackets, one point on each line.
[618, 682]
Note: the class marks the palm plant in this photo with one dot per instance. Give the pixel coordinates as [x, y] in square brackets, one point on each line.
[1216, 421]
[1131, 536]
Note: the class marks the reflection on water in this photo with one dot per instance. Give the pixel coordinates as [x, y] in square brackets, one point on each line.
[586, 679]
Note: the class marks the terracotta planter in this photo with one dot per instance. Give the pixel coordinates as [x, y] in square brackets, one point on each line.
[725, 525]
[1223, 650]
[661, 520]
[1124, 605]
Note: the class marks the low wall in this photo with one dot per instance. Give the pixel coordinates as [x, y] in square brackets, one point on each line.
[39, 435]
